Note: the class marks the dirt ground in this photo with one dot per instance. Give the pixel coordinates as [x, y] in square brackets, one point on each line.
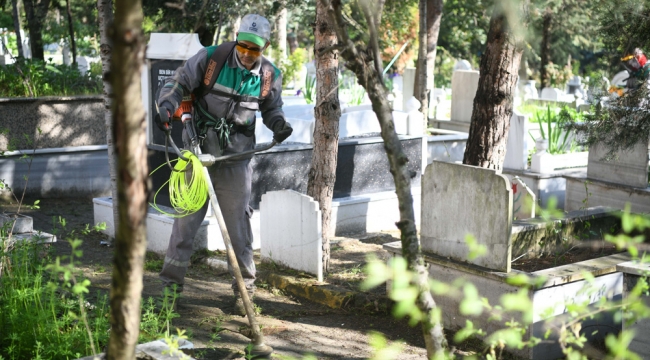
[293, 327]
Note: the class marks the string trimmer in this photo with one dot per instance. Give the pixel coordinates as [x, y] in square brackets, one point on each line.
[257, 349]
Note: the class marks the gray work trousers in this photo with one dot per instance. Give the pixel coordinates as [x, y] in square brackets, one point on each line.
[232, 184]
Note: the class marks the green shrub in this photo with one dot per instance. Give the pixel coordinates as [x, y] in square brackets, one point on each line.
[292, 65]
[32, 78]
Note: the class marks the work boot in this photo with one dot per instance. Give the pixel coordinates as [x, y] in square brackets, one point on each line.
[238, 307]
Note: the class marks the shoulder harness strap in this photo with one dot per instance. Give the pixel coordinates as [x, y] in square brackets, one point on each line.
[217, 57]
[267, 78]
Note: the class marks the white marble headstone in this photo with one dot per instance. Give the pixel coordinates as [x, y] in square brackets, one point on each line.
[464, 84]
[291, 231]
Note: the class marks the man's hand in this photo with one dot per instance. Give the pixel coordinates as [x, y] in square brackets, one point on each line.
[164, 118]
[281, 130]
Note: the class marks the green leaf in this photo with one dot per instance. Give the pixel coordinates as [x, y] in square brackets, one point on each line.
[471, 303]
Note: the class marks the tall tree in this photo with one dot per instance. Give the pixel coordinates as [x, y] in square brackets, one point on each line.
[488, 132]
[434, 14]
[16, 15]
[129, 133]
[327, 111]
[36, 11]
[547, 21]
[430, 15]
[73, 44]
[361, 60]
[420, 90]
[281, 33]
[105, 16]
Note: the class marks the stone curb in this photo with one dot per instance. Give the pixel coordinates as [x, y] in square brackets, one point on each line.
[310, 290]
[314, 291]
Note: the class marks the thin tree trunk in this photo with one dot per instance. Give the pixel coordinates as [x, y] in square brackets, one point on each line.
[235, 28]
[281, 33]
[434, 14]
[105, 15]
[545, 47]
[218, 34]
[16, 16]
[362, 64]
[488, 132]
[129, 133]
[422, 74]
[327, 111]
[73, 44]
[35, 11]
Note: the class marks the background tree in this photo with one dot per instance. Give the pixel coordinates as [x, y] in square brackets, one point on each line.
[420, 90]
[327, 111]
[105, 16]
[429, 31]
[620, 122]
[563, 31]
[360, 58]
[488, 132]
[36, 11]
[73, 45]
[16, 16]
[129, 132]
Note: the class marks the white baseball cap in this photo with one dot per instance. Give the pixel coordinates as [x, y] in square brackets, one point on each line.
[254, 28]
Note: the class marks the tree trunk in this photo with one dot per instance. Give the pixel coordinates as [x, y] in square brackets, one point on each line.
[327, 112]
[281, 34]
[35, 11]
[129, 133]
[73, 44]
[362, 64]
[217, 35]
[235, 28]
[488, 132]
[105, 16]
[434, 14]
[545, 48]
[19, 38]
[422, 72]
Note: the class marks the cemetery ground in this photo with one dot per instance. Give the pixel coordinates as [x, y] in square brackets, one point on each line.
[293, 325]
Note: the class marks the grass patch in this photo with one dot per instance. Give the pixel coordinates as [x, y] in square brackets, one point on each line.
[153, 262]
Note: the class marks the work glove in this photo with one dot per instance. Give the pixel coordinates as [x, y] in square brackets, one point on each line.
[164, 118]
[281, 130]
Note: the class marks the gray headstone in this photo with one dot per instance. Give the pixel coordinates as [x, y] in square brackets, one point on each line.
[464, 84]
[628, 167]
[291, 231]
[458, 200]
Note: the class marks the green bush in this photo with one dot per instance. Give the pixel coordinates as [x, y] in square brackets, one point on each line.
[291, 67]
[31, 78]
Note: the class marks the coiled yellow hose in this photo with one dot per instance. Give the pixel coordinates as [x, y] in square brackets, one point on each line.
[185, 197]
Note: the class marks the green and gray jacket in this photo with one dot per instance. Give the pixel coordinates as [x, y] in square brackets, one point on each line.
[235, 97]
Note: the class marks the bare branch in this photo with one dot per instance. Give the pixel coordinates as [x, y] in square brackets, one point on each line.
[366, 8]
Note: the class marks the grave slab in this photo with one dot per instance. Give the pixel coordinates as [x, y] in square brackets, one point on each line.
[628, 167]
[459, 200]
[17, 223]
[633, 271]
[523, 200]
[291, 231]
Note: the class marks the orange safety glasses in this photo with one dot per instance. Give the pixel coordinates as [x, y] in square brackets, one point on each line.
[247, 50]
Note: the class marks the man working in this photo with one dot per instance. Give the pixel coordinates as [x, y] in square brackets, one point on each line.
[230, 83]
